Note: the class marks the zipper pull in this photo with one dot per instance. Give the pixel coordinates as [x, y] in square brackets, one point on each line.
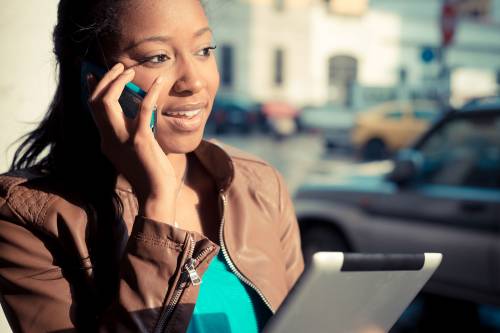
[193, 275]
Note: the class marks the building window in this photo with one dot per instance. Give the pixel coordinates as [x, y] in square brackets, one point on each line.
[227, 56]
[348, 7]
[279, 5]
[342, 68]
[342, 75]
[474, 9]
[278, 67]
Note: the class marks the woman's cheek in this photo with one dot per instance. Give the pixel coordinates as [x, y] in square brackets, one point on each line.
[164, 96]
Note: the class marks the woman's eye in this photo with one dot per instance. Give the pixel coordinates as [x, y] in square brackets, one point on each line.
[206, 51]
[156, 59]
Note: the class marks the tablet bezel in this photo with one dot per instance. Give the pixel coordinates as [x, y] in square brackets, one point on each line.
[398, 277]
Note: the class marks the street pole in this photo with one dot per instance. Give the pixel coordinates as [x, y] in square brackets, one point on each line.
[443, 78]
[448, 23]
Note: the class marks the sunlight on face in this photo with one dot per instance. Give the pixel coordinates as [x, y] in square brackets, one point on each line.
[172, 38]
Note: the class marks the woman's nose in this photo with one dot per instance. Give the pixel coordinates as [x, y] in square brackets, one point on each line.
[190, 79]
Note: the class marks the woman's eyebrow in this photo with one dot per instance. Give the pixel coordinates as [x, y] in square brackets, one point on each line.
[163, 39]
[202, 31]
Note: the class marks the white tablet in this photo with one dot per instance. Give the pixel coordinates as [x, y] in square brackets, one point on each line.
[353, 292]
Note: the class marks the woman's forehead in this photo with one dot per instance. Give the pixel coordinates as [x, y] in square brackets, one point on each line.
[169, 18]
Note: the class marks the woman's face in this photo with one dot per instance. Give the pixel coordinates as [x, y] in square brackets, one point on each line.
[172, 38]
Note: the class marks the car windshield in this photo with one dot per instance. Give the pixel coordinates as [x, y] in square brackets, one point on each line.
[464, 152]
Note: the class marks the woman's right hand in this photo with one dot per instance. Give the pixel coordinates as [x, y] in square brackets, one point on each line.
[130, 144]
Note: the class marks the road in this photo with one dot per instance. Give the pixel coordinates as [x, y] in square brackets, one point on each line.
[293, 156]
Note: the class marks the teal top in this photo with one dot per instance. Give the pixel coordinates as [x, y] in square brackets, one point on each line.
[226, 304]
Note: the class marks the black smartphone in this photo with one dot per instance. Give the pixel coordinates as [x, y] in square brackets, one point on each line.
[130, 100]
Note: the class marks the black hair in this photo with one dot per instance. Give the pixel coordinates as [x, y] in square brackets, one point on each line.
[66, 143]
[79, 25]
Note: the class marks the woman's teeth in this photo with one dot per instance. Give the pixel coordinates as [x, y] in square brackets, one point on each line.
[186, 114]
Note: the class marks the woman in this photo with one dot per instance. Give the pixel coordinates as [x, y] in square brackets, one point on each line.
[115, 228]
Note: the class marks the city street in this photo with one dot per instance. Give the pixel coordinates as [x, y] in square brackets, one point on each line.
[293, 156]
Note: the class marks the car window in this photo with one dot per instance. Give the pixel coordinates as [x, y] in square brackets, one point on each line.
[465, 151]
[425, 114]
[394, 115]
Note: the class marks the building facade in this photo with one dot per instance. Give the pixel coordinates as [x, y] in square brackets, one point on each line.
[352, 53]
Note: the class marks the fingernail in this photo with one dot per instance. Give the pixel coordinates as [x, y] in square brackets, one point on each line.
[128, 71]
[159, 79]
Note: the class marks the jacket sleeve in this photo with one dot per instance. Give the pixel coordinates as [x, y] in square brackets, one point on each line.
[290, 234]
[38, 297]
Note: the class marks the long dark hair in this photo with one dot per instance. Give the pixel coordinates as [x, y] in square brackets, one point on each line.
[66, 143]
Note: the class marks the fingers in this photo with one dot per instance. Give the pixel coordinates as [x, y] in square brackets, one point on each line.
[96, 115]
[148, 104]
[107, 111]
[106, 80]
[114, 111]
[105, 95]
[115, 89]
[97, 89]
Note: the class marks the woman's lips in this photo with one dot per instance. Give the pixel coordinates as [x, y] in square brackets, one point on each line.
[188, 118]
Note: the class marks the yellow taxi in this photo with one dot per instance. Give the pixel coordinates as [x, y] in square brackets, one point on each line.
[390, 126]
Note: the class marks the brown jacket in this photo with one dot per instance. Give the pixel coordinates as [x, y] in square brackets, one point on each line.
[39, 230]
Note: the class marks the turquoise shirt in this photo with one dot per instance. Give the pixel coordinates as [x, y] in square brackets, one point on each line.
[226, 304]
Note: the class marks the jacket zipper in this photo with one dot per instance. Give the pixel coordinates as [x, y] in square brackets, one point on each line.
[190, 269]
[188, 274]
[230, 263]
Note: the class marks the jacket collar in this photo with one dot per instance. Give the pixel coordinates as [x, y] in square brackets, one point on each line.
[213, 157]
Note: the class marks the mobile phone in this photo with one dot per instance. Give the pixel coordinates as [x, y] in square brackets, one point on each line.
[130, 100]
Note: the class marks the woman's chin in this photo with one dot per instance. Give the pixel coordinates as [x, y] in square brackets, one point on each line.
[179, 144]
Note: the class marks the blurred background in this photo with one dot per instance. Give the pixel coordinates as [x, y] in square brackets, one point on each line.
[381, 115]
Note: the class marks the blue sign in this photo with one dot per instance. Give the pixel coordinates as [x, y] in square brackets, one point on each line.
[428, 54]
